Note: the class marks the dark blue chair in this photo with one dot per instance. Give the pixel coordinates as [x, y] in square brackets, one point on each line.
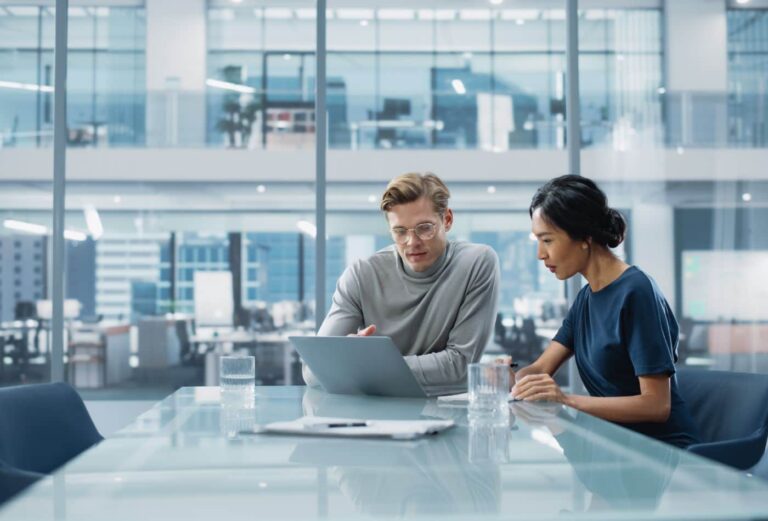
[43, 426]
[730, 411]
[13, 481]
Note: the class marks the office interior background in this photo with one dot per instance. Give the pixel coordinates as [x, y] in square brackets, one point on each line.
[190, 189]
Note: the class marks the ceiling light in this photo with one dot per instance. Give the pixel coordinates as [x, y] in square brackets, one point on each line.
[286, 56]
[746, 197]
[396, 14]
[261, 189]
[458, 86]
[73, 235]
[554, 14]
[21, 226]
[306, 14]
[496, 2]
[93, 221]
[520, 14]
[520, 21]
[444, 14]
[22, 11]
[117, 199]
[364, 23]
[371, 198]
[491, 189]
[307, 228]
[354, 14]
[227, 85]
[742, 2]
[278, 13]
[661, 90]
[475, 14]
[25, 86]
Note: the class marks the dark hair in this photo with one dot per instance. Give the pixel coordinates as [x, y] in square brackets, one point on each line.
[577, 206]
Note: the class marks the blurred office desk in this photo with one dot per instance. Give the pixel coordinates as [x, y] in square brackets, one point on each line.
[275, 357]
[183, 460]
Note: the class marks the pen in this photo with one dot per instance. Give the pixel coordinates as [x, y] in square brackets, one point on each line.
[339, 424]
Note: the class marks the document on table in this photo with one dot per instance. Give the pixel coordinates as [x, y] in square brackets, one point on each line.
[355, 428]
[463, 399]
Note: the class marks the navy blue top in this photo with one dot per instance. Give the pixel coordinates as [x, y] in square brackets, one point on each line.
[624, 331]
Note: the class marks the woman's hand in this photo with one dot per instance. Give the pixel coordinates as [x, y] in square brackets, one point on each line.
[538, 388]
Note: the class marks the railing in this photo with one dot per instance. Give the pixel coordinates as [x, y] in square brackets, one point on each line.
[442, 120]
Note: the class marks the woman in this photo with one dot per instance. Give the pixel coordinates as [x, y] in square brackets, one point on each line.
[620, 327]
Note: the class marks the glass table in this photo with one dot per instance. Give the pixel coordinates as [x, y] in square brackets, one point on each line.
[185, 459]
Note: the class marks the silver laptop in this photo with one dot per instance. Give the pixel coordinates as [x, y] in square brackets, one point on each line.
[358, 365]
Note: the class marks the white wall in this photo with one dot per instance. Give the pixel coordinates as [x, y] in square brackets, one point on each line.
[696, 45]
[176, 58]
[185, 165]
[653, 244]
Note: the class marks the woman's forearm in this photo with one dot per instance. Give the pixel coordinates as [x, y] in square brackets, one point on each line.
[528, 369]
[623, 409]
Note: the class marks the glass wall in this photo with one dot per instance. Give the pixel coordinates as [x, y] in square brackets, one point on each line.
[191, 155]
[489, 79]
[748, 77]
[26, 195]
[106, 76]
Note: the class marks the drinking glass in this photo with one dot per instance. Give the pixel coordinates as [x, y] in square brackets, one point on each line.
[237, 377]
[488, 388]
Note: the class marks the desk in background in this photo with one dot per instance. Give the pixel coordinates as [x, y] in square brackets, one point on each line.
[183, 460]
[276, 360]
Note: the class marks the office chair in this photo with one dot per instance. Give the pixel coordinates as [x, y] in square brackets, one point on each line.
[730, 411]
[13, 481]
[43, 426]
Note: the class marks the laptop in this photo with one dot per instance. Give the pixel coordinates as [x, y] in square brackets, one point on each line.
[370, 365]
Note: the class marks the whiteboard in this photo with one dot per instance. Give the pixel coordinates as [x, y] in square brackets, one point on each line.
[723, 285]
[214, 305]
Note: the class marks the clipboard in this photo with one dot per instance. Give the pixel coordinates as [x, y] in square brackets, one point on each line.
[355, 428]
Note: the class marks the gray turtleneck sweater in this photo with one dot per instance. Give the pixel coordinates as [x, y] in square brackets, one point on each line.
[440, 319]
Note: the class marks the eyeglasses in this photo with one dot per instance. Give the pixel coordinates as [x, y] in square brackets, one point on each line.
[424, 231]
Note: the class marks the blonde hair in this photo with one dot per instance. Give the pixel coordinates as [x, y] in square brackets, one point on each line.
[408, 188]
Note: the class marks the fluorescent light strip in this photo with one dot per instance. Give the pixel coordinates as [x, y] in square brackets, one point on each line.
[73, 235]
[275, 13]
[520, 14]
[307, 228]
[458, 86]
[475, 14]
[21, 226]
[396, 14]
[93, 222]
[354, 14]
[25, 86]
[39, 229]
[226, 85]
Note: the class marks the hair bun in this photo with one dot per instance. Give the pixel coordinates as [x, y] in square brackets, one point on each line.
[615, 229]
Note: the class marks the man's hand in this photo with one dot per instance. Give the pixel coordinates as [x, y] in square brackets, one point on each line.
[507, 360]
[368, 331]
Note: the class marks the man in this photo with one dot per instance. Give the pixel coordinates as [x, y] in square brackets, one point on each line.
[436, 299]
